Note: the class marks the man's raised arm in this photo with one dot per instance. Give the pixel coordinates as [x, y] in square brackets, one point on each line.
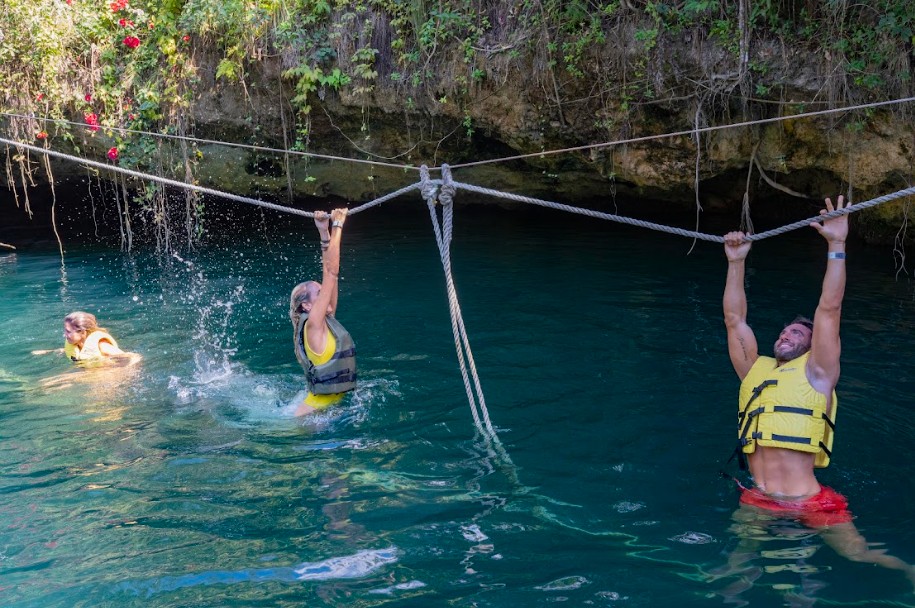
[825, 348]
[742, 346]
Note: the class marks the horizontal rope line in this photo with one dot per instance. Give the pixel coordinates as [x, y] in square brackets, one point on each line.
[178, 184]
[470, 188]
[681, 133]
[679, 231]
[495, 160]
[216, 142]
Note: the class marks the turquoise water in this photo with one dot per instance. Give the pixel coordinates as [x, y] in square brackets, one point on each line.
[602, 356]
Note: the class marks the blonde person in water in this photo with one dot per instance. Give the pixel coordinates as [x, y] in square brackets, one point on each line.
[90, 345]
[323, 347]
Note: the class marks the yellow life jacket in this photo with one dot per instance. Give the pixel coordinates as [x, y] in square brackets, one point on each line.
[90, 348]
[332, 372]
[779, 408]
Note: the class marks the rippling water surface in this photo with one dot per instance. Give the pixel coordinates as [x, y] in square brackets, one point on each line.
[603, 360]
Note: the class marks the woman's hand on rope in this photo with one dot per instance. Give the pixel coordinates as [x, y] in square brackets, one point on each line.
[338, 217]
[834, 230]
[736, 247]
[322, 221]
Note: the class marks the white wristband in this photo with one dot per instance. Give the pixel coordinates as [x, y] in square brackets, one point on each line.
[337, 224]
[835, 255]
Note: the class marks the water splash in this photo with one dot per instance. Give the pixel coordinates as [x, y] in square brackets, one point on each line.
[693, 538]
[357, 565]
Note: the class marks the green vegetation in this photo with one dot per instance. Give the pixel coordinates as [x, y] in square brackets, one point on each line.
[139, 64]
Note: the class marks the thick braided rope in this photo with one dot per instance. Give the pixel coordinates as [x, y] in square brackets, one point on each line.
[429, 186]
[679, 231]
[443, 235]
[429, 192]
[385, 198]
[834, 213]
[446, 198]
[177, 184]
[590, 213]
[156, 178]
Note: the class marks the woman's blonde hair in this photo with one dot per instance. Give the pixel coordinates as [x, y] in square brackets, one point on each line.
[83, 321]
[302, 293]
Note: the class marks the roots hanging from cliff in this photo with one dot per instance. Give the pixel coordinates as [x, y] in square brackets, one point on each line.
[698, 121]
[192, 208]
[47, 167]
[290, 194]
[899, 242]
[19, 129]
[117, 202]
[746, 222]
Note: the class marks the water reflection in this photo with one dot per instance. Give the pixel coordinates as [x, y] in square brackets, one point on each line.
[778, 551]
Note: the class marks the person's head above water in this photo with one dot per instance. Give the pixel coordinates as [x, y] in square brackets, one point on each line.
[78, 325]
[794, 340]
[302, 298]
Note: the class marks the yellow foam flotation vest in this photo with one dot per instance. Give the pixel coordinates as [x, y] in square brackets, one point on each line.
[779, 408]
[90, 348]
[331, 373]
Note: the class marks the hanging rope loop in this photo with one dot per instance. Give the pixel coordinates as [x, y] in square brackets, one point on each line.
[428, 188]
[446, 192]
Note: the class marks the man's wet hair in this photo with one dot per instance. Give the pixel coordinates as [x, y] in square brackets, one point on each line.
[801, 320]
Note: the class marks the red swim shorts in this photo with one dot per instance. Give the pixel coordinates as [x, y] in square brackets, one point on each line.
[827, 508]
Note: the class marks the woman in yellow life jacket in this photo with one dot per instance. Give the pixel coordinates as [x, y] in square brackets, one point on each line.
[85, 341]
[322, 345]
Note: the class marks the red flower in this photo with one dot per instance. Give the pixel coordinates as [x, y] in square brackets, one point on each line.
[88, 97]
[132, 116]
[39, 97]
[186, 38]
[131, 42]
[69, 1]
[91, 119]
[118, 5]
[113, 154]
[125, 22]
[41, 135]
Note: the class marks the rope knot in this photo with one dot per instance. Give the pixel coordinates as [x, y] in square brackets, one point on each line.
[428, 189]
[446, 194]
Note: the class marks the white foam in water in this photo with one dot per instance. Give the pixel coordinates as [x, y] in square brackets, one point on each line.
[613, 596]
[473, 533]
[569, 583]
[693, 538]
[409, 585]
[628, 507]
[348, 566]
[218, 381]
[358, 565]
[265, 399]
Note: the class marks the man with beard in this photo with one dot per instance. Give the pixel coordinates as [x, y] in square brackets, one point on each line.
[787, 407]
[787, 402]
